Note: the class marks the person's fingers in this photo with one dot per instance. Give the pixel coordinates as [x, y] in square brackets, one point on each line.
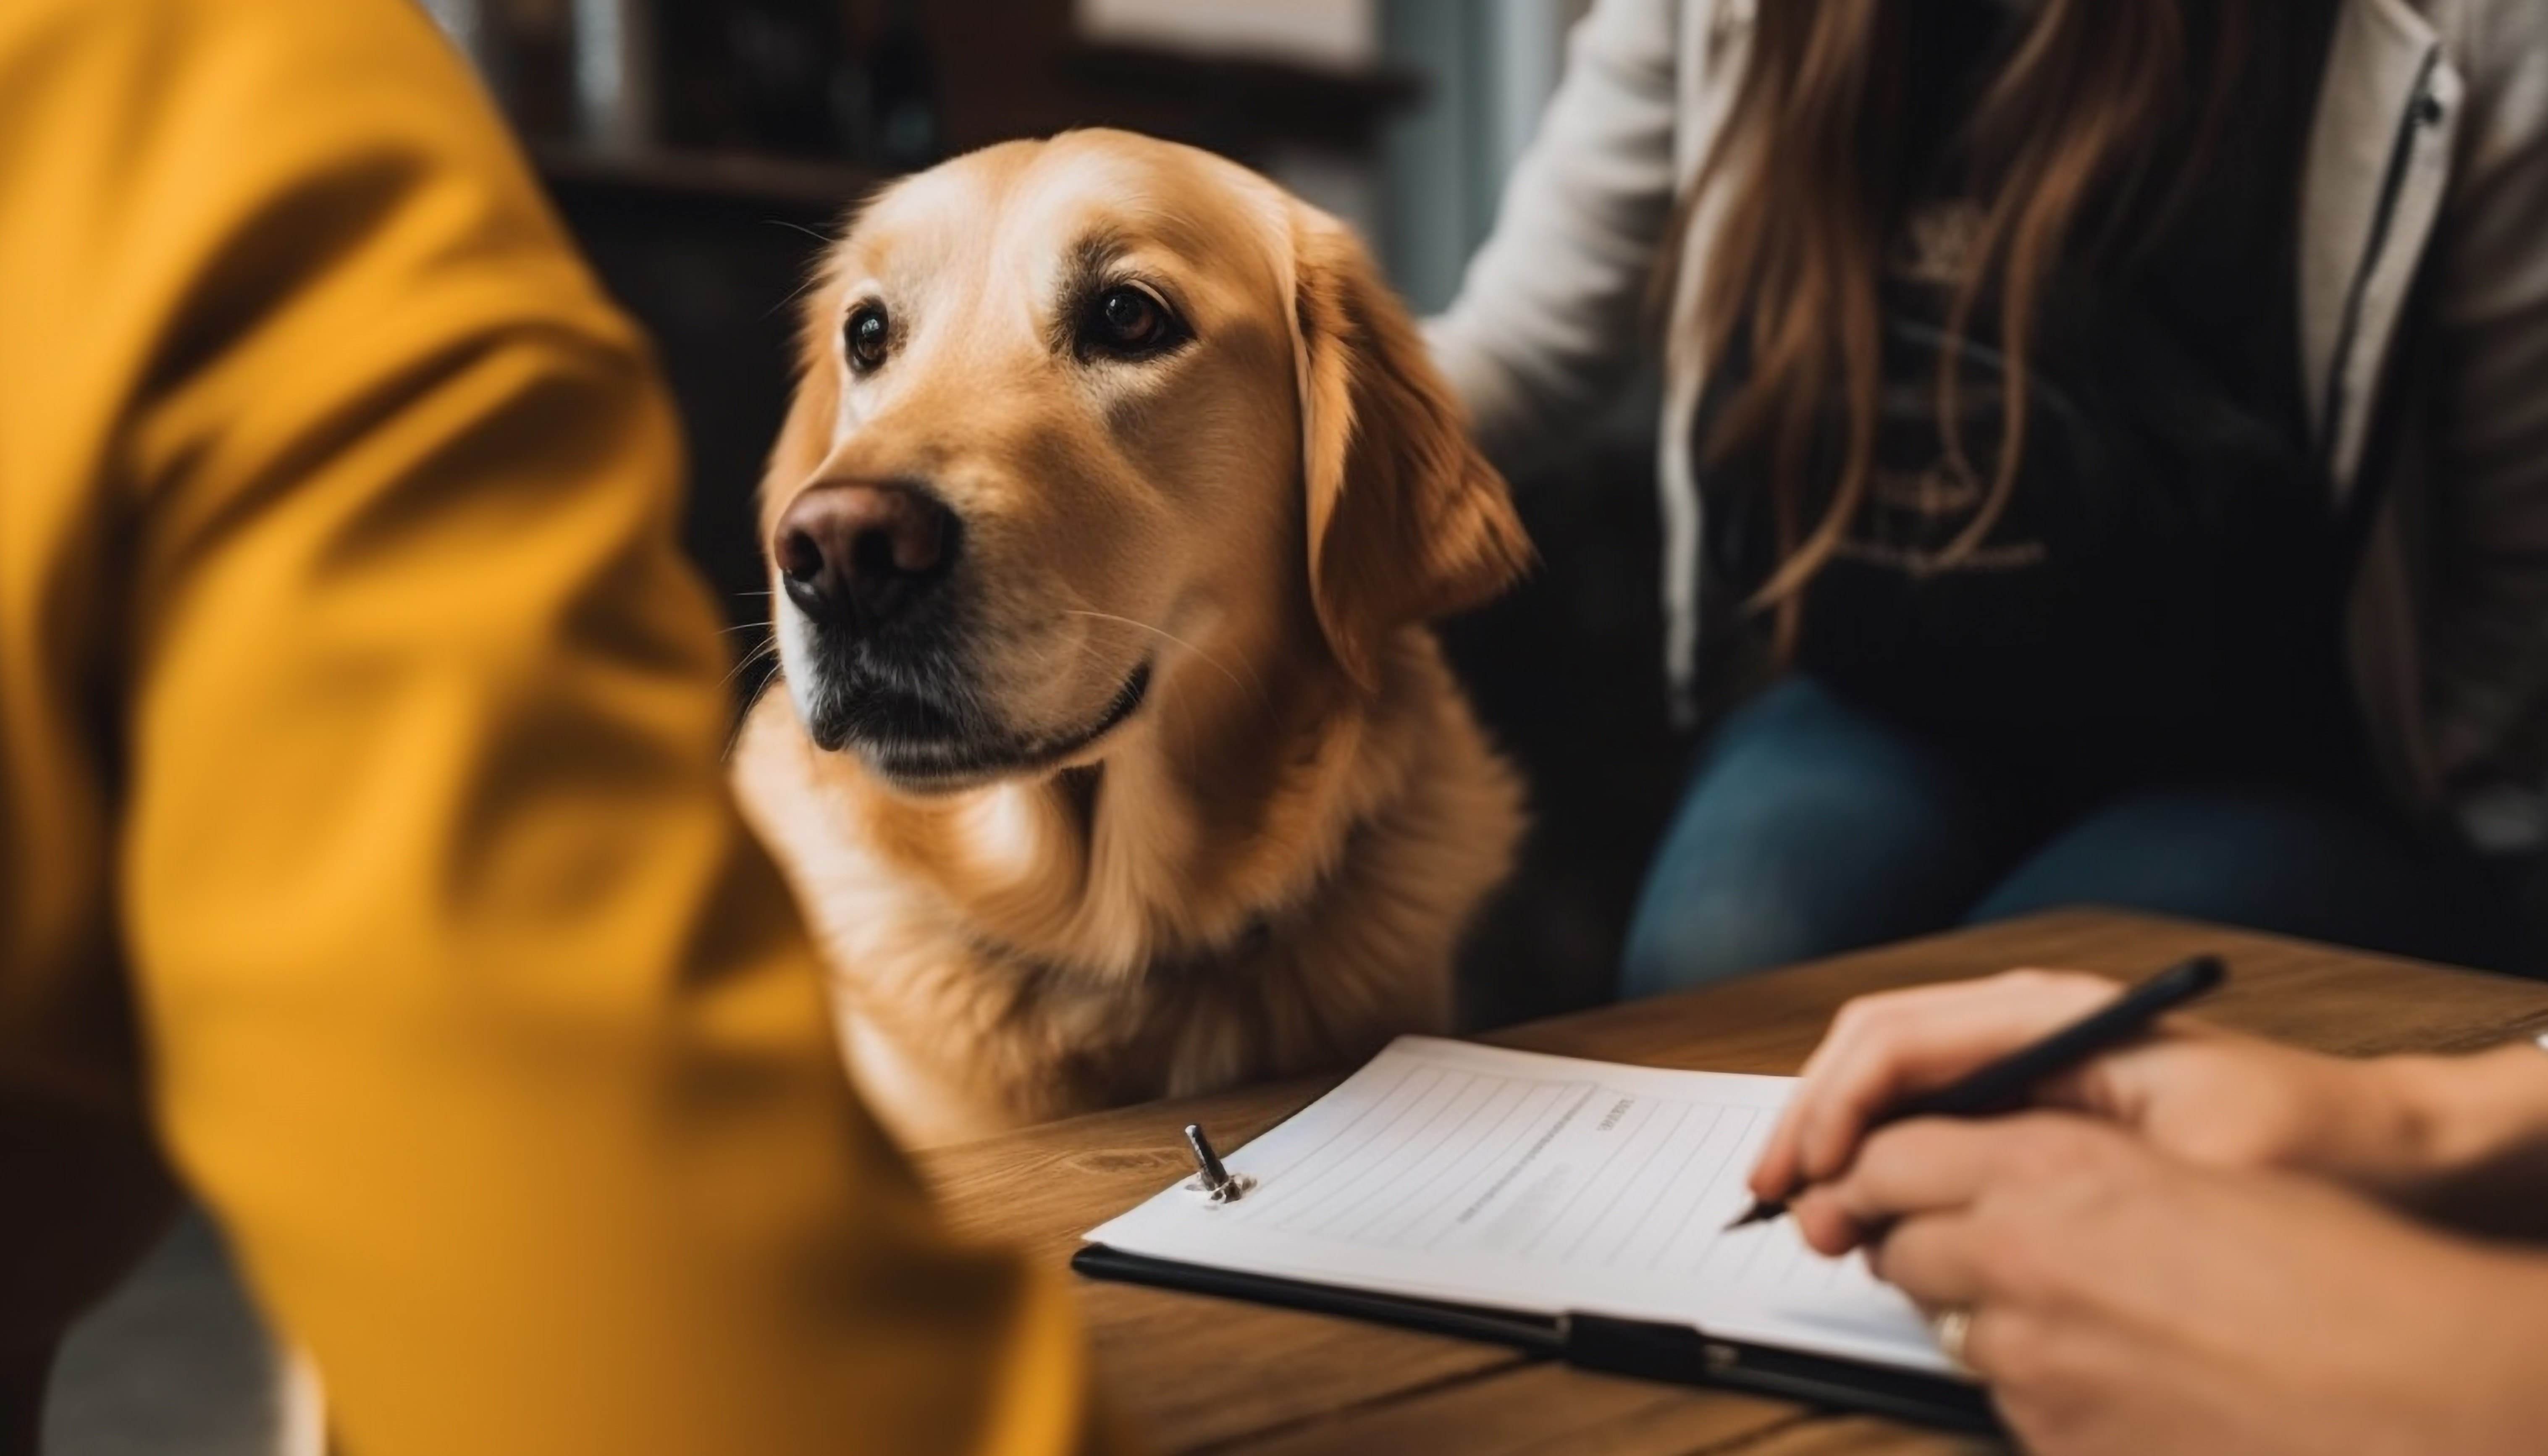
[1918, 1045]
[1941, 1260]
[1926, 1166]
[1989, 1330]
[1946, 1261]
[1824, 1224]
[1882, 1046]
[1774, 1173]
[2120, 1085]
[1940, 1164]
[1778, 1171]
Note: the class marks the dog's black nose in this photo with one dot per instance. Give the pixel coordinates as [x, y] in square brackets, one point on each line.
[856, 556]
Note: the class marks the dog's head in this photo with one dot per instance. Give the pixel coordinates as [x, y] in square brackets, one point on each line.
[1087, 422]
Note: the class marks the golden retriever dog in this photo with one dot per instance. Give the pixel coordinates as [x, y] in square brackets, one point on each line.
[1115, 759]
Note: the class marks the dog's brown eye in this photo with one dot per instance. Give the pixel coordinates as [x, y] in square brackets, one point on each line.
[867, 336]
[1129, 321]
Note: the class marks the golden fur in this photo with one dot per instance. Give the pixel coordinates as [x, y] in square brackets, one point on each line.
[1267, 867]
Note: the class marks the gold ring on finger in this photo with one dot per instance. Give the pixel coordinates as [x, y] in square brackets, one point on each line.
[1952, 1327]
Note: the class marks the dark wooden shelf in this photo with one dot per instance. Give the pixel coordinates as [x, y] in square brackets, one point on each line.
[1251, 97]
[793, 183]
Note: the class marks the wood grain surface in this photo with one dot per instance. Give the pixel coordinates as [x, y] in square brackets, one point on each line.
[1196, 1374]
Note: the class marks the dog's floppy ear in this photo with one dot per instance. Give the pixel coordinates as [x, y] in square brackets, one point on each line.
[1407, 520]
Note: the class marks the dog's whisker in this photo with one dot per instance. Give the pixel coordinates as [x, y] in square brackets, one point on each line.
[814, 279]
[757, 655]
[749, 661]
[1107, 616]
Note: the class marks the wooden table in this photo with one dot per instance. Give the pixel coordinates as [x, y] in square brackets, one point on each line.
[1198, 1374]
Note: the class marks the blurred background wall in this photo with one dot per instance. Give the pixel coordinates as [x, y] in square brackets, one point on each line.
[702, 150]
[1487, 67]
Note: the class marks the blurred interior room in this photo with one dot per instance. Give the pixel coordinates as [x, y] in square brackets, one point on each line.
[2223, 649]
[702, 151]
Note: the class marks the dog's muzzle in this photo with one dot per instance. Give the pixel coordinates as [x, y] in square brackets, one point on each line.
[859, 559]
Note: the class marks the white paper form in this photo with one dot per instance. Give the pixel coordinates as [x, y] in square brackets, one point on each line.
[1451, 1171]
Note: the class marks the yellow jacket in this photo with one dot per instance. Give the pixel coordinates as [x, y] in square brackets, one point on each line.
[364, 854]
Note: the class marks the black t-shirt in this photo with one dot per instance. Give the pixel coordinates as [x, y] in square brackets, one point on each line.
[2163, 590]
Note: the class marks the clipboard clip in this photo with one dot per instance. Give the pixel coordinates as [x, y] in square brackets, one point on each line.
[1217, 1184]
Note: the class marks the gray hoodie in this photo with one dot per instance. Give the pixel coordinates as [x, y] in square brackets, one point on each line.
[2423, 311]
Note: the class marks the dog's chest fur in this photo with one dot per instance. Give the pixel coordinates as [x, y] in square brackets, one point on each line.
[1169, 922]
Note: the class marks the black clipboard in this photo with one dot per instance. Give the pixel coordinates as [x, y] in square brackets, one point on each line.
[1666, 1352]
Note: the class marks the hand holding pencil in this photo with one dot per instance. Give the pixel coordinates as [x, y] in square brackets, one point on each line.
[2190, 1089]
[2007, 1081]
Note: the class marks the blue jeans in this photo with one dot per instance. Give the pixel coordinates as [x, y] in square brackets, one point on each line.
[1811, 827]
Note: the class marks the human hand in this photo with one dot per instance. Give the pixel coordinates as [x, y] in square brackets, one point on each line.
[2201, 1093]
[2122, 1301]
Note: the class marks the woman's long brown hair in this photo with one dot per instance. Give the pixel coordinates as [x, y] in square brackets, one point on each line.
[1811, 160]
